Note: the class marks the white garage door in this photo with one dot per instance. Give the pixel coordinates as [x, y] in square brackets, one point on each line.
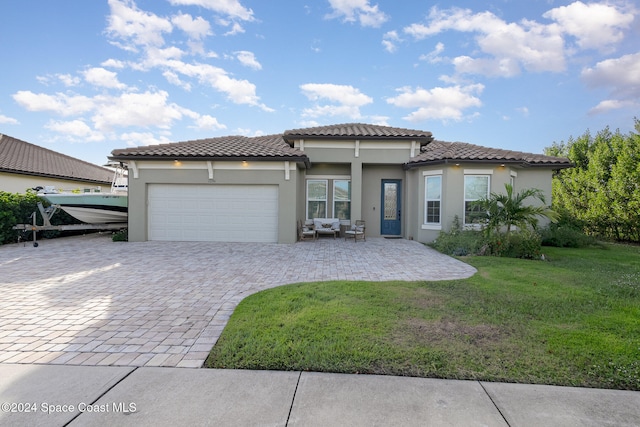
[213, 213]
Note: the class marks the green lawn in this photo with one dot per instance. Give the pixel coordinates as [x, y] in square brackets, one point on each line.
[571, 320]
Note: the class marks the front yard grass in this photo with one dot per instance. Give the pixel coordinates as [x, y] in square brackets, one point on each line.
[572, 320]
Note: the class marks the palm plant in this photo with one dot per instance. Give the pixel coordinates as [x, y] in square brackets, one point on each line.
[509, 210]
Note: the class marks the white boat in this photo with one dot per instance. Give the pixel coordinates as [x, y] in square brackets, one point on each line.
[93, 207]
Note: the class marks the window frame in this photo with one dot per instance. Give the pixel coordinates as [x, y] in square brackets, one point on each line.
[330, 198]
[336, 200]
[478, 174]
[326, 195]
[426, 224]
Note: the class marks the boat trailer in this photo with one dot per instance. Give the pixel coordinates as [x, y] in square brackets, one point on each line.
[47, 214]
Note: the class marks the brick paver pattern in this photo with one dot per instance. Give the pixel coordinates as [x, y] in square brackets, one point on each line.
[90, 301]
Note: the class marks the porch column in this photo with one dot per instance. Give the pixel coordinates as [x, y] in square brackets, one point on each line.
[356, 190]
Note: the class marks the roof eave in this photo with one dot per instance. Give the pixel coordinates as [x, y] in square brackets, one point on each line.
[521, 163]
[48, 175]
[291, 138]
[296, 159]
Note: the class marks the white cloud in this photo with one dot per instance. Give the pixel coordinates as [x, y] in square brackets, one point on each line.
[235, 29]
[113, 63]
[509, 46]
[75, 128]
[137, 28]
[136, 139]
[389, 41]
[443, 103]
[434, 56]
[231, 8]
[60, 103]
[68, 79]
[505, 48]
[358, 10]
[238, 91]
[595, 25]
[8, 120]
[103, 78]
[612, 104]
[197, 28]
[380, 120]
[248, 59]
[207, 122]
[621, 76]
[134, 26]
[174, 79]
[135, 109]
[147, 109]
[347, 100]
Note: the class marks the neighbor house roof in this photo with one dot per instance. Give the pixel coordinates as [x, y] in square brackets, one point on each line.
[270, 147]
[17, 156]
[439, 152]
[357, 130]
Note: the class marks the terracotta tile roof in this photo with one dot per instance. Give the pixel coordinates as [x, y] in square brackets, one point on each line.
[441, 152]
[227, 147]
[357, 130]
[17, 156]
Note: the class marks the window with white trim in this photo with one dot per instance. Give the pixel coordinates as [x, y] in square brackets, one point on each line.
[342, 199]
[476, 187]
[317, 198]
[329, 198]
[432, 199]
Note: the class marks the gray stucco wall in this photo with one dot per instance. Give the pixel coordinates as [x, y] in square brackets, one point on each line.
[453, 192]
[372, 176]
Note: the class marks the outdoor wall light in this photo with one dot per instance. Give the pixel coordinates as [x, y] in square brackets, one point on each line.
[177, 163]
[245, 164]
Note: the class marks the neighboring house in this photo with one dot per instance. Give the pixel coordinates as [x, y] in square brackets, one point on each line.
[24, 166]
[241, 189]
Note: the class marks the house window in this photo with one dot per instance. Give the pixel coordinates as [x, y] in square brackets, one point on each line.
[317, 198]
[329, 198]
[342, 199]
[476, 187]
[432, 199]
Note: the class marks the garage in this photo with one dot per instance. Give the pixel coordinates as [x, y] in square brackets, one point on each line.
[213, 213]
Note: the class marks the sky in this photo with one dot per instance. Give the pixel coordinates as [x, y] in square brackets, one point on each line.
[86, 77]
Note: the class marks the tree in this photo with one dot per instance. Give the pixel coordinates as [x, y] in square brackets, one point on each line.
[602, 190]
[509, 210]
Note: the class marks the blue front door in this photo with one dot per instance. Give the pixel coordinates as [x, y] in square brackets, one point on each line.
[391, 204]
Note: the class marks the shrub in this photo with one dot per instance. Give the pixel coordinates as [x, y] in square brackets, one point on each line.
[517, 244]
[121, 236]
[17, 208]
[566, 237]
[567, 233]
[14, 209]
[460, 243]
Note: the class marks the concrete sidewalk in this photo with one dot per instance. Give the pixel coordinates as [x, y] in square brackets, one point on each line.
[57, 395]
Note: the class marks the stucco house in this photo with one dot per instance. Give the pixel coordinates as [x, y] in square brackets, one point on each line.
[402, 182]
[24, 166]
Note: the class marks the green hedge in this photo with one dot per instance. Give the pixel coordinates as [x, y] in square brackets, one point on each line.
[16, 208]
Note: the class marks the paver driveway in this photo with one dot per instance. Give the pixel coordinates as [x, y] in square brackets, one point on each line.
[90, 301]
